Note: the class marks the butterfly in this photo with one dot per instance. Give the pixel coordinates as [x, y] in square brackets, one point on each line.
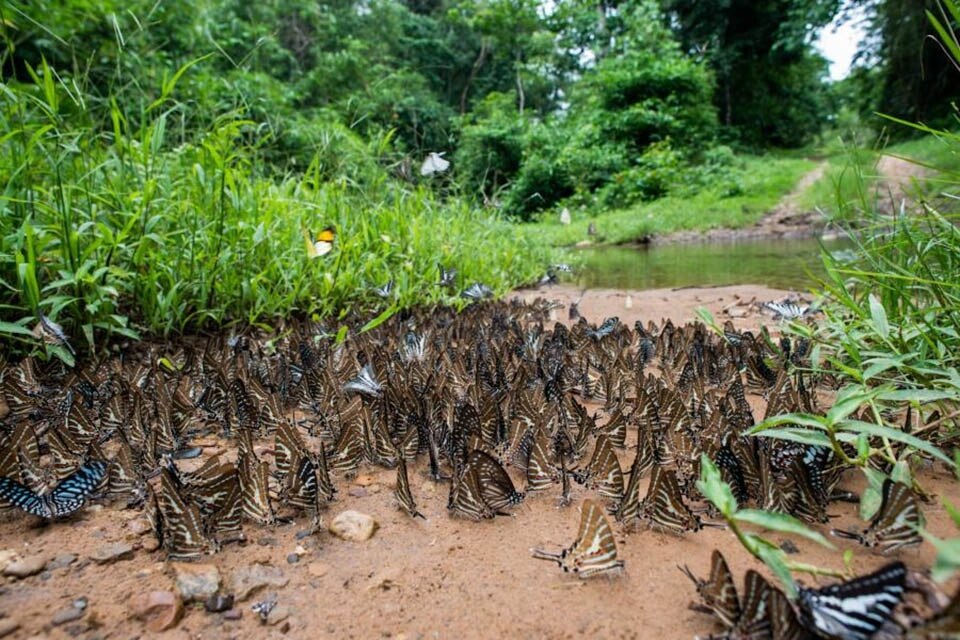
[896, 524]
[856, 609]
[448, 278]
[594, 551]
[321, 244]
[435, 163]
[789, 310]
[52, 333]
[365, 383]
[718, 593]
[385, 291]
[402, 492]
[68, 496]
[477, 291]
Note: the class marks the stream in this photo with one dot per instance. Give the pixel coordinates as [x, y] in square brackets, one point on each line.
[778, 263]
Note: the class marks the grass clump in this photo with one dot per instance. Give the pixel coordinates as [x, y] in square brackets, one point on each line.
[115, 228]
[763, 180]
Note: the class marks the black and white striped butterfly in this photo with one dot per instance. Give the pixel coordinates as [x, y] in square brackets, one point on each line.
[385, 291]
[789, 310]
[448, 277]
[856, 609]
[64, 499]
[365, 383]
[477, 291]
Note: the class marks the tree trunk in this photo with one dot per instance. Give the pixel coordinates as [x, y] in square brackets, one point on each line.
[481, 58]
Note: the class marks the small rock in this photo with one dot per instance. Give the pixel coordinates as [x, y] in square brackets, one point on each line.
[61, 561]
[232, 614]
[293, 558]
[300, 550]
[376, 487]
[151, 544]
[357, 492]
[218, 602]
[26, 567]
[113, 552]
[161, 610]
[278, 614]
[364, 480]
[245, 581]
[353, 525]
[738, 312]
[139, 527]
[196, 582]
[80, 603]
[65, 615]
[267, 541]
[8, 626]
[318, 569]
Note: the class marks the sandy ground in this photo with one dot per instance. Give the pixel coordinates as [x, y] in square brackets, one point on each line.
[433, 578]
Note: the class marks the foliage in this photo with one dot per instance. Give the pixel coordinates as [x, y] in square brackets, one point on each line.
[718, 492]
[154, 228]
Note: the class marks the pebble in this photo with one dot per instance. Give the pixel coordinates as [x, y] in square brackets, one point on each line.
[8, 626]
[245, 581]
[357, 492]
[161, 610]
[65, 615]
[139, 527]
[375, 488]
[218, 602]
[196, 581]
[293, 558]
[26, 567]
[150, 544]
[232, 614]
[113, 552]
[267, 541]
[318, 569]
[278, 614]
[61, 561]
[353, 525]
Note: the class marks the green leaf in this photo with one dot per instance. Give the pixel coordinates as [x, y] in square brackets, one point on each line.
[780, 522]
[878, 316]
[856, 426]
[849, 399]
[773, 557]
[915, 395]
[712, 486]
[953, 511]
[14, 329]
[803, 436]
[870, 500]
[948, 556]
[803, 419]
[380, 319]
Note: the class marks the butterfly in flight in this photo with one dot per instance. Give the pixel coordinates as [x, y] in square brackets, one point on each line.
[64, 499]
[435, 163]
[856, 609]
[321, 244]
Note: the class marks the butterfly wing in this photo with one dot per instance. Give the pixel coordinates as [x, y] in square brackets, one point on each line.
[20, 496]
[71, 493]
[856, 609]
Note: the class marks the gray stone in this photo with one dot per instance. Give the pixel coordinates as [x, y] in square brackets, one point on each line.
[245, 581]
[293, 558]
[232, 614]
[218, 602]
[65, 615]
[196, 582]
[112, 552]
[61, 561]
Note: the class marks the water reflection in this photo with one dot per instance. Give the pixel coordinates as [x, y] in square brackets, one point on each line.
[783, 264]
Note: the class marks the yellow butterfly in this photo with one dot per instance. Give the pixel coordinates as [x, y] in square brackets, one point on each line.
[322, 244]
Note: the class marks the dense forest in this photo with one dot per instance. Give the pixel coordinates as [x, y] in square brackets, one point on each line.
[162, 161]
[599, 102]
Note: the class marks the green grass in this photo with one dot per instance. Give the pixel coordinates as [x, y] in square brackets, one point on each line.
[765, 181]
[155, 229]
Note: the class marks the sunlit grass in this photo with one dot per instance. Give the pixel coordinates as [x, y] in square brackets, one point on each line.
[765, 181]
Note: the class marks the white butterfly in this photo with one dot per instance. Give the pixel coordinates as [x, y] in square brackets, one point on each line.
[435, 163]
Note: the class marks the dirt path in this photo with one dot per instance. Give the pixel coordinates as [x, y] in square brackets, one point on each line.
[898, 181]
[786, 220]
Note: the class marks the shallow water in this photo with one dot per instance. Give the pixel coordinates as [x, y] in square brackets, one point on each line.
[778, 263]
